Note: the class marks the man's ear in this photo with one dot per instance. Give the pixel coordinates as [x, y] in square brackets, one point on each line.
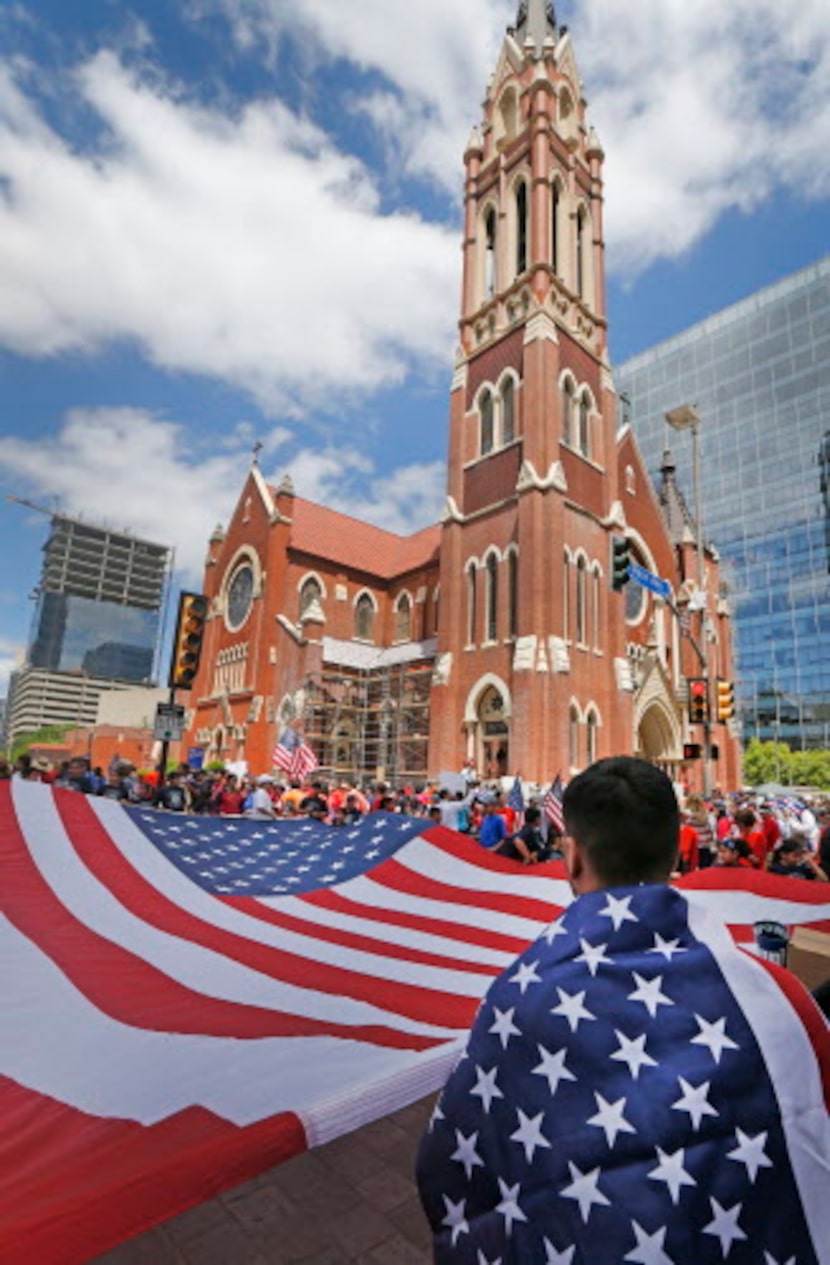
[574, 862]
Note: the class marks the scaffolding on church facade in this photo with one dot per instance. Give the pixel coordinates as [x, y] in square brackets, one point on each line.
[370, 723]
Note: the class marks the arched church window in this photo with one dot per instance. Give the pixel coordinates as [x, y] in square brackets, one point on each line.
[581, 246]
[567, 410]
[581, 602]
[566, 598]
[485, 409]
[556, 198]
[403, 618]
[573, 736]
[521, 228]
[492, 597]
[431, 613]
[509, 114]
[513, 594]
[310, 593]
[472, 604]
[596, 585]
[584, 440]
[490, 253]
[591, 737]
[508, 411]
[364, 617]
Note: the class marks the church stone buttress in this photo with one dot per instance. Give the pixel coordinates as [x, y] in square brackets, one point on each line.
[531, 639]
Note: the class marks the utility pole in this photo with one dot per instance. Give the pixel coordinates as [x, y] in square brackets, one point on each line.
[686, 417]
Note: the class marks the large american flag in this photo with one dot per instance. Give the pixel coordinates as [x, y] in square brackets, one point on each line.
[188, 1000]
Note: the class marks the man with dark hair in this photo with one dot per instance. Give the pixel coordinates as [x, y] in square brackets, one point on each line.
[527, 844]
[635, 1088]
[626, 817]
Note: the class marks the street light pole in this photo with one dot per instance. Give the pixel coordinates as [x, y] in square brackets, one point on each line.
[686, 417]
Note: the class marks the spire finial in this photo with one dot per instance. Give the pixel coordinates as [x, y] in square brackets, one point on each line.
[536, 20]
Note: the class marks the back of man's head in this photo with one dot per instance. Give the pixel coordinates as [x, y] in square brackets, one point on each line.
[623, 814]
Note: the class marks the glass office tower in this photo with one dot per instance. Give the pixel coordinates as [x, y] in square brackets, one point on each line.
[96, 625]
[759, 375]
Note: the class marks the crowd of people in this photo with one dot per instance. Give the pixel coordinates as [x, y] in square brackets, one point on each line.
[741, 830]
[784, 836]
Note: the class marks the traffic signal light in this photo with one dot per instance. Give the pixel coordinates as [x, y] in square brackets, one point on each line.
[620, 558]
[725, 700]
[187, 642]
[698, 700]
[692, 750]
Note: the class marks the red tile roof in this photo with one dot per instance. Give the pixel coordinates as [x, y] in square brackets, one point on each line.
[339, 538]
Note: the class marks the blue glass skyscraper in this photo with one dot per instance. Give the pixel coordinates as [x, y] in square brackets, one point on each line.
[759, 376]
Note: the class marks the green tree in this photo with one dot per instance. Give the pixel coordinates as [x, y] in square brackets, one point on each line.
[48, 734]
[811, 768]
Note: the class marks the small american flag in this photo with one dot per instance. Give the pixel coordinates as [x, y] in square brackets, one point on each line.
[294, 756]
[516, 801]
[553, 804]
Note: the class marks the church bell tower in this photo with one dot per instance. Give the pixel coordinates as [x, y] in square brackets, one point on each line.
[531, 640]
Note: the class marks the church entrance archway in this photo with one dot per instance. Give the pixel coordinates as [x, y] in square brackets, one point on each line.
[493, 734]
[657, 739]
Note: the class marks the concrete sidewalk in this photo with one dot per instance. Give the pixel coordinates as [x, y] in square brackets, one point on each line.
[353, 1202]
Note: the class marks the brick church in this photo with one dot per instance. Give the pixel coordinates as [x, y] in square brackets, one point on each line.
[493, 636]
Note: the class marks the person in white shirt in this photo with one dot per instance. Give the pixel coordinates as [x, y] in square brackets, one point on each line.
[262, 806]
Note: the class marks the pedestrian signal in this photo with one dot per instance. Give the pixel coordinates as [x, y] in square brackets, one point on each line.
[698, 701]
[692, 751]
[187, 642]
[725, 700]
[620, 559]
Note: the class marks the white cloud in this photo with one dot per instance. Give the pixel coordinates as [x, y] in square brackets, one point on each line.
[11, 656]
[710, 107]
[437, 56]
[246, 248]
[128, 469]
[702, 107]
[245, 245]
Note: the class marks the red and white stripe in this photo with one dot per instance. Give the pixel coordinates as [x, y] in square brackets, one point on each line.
[137, 1006]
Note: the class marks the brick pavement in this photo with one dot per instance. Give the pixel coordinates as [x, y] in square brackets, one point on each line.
[353, 1202]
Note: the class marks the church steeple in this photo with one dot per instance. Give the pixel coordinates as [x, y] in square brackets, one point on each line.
[536, 21]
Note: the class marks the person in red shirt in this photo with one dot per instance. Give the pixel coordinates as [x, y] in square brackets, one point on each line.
[735, 854]
[754, 838]
[689, 848]
[770, 828]
[229, 799]
[505, 811]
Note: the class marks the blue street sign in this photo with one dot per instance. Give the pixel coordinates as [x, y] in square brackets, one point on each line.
[647, 580]
[196, 757]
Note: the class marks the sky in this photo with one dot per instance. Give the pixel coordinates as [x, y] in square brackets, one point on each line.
[225, 222]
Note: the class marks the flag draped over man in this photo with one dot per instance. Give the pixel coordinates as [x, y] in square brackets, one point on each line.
[636, 1087]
